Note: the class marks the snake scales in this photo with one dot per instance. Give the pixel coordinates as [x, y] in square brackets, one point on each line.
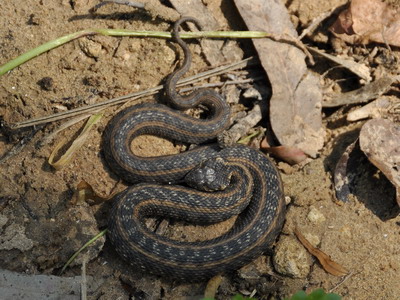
[248, 185]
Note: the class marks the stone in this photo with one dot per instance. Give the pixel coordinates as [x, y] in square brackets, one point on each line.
[315, 216]
[291, 258]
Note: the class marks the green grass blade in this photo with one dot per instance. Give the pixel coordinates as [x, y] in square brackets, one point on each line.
[123, 32]
[71, 259]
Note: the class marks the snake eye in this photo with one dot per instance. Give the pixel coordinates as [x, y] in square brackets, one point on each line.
[212, 175]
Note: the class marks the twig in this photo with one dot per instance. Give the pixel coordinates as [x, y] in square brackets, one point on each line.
[364, 94]
[314, 24]
[360, 70]
[129, 97]
[286, 38]
[219, 84]
[342, 281]
[128, 3]
[84, 279]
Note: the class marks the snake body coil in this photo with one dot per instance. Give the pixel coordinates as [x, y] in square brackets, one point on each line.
[254, 189]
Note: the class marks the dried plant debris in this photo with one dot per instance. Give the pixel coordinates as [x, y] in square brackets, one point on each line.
[380, 141]
[295, 105]
[291, 155]
[367, 21]
[358, 69]
[326, 262]
[387, 107]
[364, 94]
[85, 193]
[342, 178]
[76, 145]
[212, 287]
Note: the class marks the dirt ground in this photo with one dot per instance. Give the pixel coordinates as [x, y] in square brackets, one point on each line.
[40, 227]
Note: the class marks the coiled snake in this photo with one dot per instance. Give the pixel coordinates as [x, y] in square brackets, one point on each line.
[248, 185]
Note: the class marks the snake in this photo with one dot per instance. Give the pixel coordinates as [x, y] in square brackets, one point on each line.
[204, 185]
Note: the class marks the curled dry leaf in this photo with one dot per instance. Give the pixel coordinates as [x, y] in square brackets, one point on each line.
[369, 20]
[326, 262]
[212, 287]
[85, 193]
[380, 141]
[295, 105]
[77, 143]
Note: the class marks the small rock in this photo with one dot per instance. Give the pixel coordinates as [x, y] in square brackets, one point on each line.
[232, 94]
[291, 258]
[14, 238]
[313, 239]
[252, 93]
[255, 269]
[315, 216]
[46, 83]
[90, 48]
[34, 287]
[3, 221]
[285, 168]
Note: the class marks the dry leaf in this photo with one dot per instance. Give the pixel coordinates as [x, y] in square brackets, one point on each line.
[326, 262]
[295, 106]
[380, 141]
[85, 192]
[369, 20]
[212, 287]
[359, 69]
[78, 142]
[290, 155]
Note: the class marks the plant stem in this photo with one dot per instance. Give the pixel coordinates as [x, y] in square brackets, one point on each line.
[123, 32]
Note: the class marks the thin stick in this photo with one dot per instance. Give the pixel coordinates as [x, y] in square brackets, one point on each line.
[219, 84]
[84, 280]
[343, 281]
[129, 3]
[315, 22]
[129, 97]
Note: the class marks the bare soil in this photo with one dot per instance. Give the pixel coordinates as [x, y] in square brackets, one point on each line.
[40, 228]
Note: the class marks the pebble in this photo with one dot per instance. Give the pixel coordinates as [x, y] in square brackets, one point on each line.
[3, 221]
[252, 93]
[14, 237]
[291, 258]
[90, 48]
[315, 216]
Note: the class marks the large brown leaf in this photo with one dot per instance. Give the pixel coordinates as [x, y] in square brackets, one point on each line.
[295, 106]
[369, 20]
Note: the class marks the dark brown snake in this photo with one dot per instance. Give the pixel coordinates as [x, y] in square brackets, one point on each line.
[248, 185]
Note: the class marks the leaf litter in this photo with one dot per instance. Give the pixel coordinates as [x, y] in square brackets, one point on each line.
[295, 105]
[285, 134]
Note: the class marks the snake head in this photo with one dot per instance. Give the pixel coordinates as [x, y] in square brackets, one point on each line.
[212, 175]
